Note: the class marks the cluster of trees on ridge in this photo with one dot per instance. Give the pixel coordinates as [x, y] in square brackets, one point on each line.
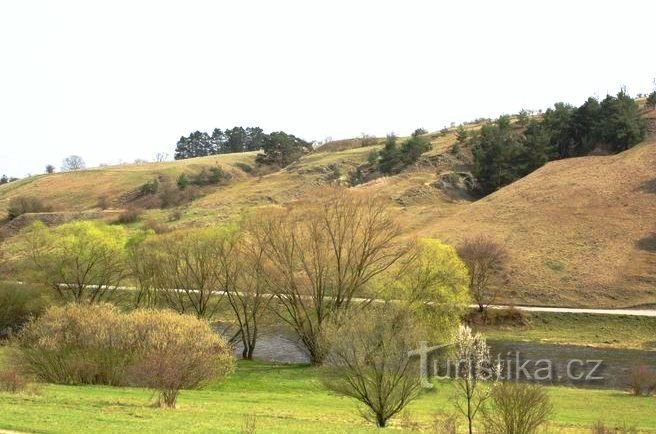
[278, 148]
[505, 151]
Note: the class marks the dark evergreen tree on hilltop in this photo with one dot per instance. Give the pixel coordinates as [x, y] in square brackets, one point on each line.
[281, 149]
[237, 139]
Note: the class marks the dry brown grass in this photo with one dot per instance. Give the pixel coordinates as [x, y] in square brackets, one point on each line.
[579, 231]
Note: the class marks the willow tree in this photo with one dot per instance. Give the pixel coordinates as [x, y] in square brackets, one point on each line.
[81, 261]
[186, 269]
[431, 281]
[322, 254]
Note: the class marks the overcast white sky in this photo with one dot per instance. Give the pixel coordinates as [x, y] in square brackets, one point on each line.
[118, 80]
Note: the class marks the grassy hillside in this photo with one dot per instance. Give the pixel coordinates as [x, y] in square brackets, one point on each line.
[580, 231]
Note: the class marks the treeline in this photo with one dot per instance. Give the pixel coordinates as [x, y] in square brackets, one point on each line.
[505, 151]
[4, 179]
[279, 148]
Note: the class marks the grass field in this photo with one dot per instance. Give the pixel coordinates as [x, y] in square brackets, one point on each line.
[612, 331]
[283, 398]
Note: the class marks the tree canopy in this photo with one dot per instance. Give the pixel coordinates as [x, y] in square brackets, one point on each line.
[505, 151]
[236, 139]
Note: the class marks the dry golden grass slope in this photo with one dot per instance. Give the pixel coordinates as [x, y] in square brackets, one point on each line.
[580, 231]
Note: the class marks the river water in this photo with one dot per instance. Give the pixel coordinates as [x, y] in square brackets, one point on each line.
[572, 365]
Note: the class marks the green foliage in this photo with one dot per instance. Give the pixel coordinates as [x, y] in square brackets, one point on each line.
[523, 117]
[621, 124]
[500, 155]
[651, 100]
[412, 149]
[20, 205]
[419, 132]
[215, 175]
[372, 157]
[393, 159]
[82, 261]
[182, 182]
[356, 177]
[19, 303]
[389, 160]
[433, 273]
[150, 187]
[504, 152]
[281, 149]
[461, 135]
[237, 139]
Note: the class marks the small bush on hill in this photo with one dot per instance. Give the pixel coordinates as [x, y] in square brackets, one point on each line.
[215, 175]
[128, 216]
[651, 100]
[103, 202]
[182, 182]
[20, 205]
[151, 187]
[97, 344]
[244, 167]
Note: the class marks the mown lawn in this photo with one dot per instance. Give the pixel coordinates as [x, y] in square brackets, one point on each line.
[284, 398]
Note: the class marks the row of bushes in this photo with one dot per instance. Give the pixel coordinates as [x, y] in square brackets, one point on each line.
[97, 344]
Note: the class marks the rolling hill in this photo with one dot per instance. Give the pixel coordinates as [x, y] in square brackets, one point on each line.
[581, 231]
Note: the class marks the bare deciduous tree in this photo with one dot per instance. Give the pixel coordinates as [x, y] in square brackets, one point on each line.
[368, 361]
[324, 253]
[161, 157]
[474, 370]
[188, 272]
[517, 408]
[74, 162]
[484, 258]
[241, 275]
[143, 264]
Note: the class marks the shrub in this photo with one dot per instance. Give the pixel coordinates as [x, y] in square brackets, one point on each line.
[11, 380]
[245, 167]
[182, 182]
[651, 100]
[600, 427]
[97, 344]
[368, 361]
[20, 205]
[19, 303]
[151, 187]
[157, 227]
[175, 216]
[130, 215]
[444, 423]
[642, 381]
[103, 202]
[517, 408]
[215, 175]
